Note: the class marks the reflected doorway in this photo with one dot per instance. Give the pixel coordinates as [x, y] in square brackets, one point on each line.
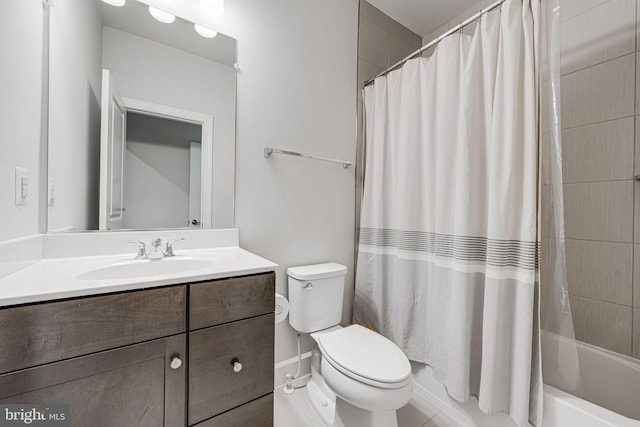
[162, 173]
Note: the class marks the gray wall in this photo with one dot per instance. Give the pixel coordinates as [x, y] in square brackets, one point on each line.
[21, 35]
[600, 100]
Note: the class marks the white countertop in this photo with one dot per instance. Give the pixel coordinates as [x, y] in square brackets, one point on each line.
[58, 278]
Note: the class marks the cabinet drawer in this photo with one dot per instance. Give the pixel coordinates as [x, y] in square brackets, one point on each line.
[214, 387]
[129, 386]
[221, 301]
[258, 413]
[36, 334]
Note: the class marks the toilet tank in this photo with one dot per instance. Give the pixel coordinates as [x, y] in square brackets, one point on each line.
[315, 296]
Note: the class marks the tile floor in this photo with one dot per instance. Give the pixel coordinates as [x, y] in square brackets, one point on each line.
[295, 410]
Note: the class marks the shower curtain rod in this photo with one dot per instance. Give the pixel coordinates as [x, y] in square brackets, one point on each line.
[436, 41]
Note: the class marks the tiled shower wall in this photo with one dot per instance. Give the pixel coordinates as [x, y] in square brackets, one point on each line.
[382, 42]
[600, 100]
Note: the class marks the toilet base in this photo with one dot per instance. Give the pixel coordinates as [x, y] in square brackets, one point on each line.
[324, 404]
[348, 415]
[335, 412]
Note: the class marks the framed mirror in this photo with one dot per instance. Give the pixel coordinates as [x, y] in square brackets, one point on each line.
[141, 120]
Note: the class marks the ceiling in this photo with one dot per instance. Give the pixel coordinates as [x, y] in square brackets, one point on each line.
[423, 16]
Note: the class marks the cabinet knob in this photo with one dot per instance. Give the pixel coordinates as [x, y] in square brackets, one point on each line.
[176, 362]
[237, 366]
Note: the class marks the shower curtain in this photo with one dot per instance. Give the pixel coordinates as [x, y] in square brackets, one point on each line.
[447, 263]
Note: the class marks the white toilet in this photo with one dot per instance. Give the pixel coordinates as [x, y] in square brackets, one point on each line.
[358, 377]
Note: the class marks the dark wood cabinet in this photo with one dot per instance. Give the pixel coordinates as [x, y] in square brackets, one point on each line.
[214, 385]
[129, 386]
[110, 357]
[41, 333]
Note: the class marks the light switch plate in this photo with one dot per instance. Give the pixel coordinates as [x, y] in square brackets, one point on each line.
[51, 193]
[22, 186]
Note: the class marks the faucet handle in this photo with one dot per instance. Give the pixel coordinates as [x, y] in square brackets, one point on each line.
[142, 248]
[169, 250]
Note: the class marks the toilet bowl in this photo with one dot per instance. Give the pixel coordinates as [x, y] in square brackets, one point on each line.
[370, 376]
[358, 377]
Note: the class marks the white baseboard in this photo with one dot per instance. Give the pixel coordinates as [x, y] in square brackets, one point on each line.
[290, 366]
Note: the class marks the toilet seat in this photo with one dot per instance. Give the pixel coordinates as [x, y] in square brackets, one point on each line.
[365, 356]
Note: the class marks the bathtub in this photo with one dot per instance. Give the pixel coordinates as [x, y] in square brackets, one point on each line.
[607, 378]
[610, 391]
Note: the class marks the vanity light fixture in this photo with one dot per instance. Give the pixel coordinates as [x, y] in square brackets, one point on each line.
[212, 7]
[205, 32]
[161, 15]
[115, 2]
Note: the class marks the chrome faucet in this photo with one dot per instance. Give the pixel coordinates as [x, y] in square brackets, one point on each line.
[142, 249]
[169, 250]
[155, 252]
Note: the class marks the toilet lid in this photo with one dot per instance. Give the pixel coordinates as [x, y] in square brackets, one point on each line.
[365, 353]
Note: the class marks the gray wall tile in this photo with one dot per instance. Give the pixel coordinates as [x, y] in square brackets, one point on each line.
[637, 83]
[571, 8]
[404, 34]
[599, 93]
[603, 324]
[374, 14]
[600, 270]
[637, 145]
[398, 49]
[599, 152]
[599, 211]
[636, 333]
[636, 214]
[636, 276]
[602, 33]
[373, 42]
[637, 26]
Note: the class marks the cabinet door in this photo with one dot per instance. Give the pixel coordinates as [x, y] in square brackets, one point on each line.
[43, 333]
[129, 386]
[214, 385]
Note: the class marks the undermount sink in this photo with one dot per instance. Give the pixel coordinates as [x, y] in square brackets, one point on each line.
[133, 269]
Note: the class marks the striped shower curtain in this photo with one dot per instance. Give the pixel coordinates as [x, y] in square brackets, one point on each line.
[447, 256]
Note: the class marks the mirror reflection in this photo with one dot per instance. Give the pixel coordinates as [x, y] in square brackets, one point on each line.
[141, 120]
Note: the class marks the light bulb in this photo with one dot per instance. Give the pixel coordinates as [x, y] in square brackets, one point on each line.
[115, 2]
[161, 15]
[205, 32]
[212, 7]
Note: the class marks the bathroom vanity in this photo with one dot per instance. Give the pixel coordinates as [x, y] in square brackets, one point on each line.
[196, 352]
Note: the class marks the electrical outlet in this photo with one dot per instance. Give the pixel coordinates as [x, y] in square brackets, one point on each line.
[22, 186]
